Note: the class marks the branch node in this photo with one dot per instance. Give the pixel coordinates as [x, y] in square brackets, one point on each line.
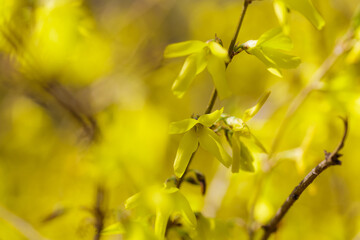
[295, 196]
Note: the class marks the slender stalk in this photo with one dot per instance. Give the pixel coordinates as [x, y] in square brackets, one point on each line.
[331, 159]
[214, 93]
[314, 83]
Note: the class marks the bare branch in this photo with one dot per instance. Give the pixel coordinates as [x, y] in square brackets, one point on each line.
[330, 160]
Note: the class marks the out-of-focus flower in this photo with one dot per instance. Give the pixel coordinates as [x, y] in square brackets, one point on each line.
[164, 202]
[305, 7]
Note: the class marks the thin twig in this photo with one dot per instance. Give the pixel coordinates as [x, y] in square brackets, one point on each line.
[330, 160]
[214, 94]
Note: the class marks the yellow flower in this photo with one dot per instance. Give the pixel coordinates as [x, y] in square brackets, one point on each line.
[197, 132]
[210, 55]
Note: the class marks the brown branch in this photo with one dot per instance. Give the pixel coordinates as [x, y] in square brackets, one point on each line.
[330, 160]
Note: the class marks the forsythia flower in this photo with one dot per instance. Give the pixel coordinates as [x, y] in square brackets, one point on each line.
[210, 55]
[197, 132]
[165, 202]
[242, 157]
[269, 49]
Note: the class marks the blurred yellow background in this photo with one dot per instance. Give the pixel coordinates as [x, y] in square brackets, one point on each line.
[85, 101]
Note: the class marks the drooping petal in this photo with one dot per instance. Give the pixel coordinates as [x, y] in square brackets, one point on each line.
[281, 12]
[275, 71]
[201, 60]
[185, 77]
[249, 113]
[218, 51]
[183, 48]
[275, 38]
[216, 68]
[133, 201]
[188, 145]
[306, 8]
[209, 119]
[182, 126]
[211, 143]
[113, 229]
[280, 59]
[161, 220]
[183, 206]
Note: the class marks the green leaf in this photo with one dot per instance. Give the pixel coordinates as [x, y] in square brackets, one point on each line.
[306, 8]
[209, 119]
[218, 51]
[242, 157]
[188, 145]
[182, 126]
[216, 68]
[116, 228]
[186, 76]
[211, 143]
[246, 158]
[236, 149]
[183, 48]
[251, 112]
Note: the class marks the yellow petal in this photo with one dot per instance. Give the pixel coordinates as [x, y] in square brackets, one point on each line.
[211, 143]
[209, 119]
[188, 145]
[218, 51]
[249, 113]
[216, 68]
[183, 48]
[182, 126]
[186, 76]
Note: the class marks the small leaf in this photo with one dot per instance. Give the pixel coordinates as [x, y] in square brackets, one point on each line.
[236, 148]
[211, 143]
[185, 77]
[183, 48]
[247, 159]
[188, 145]
[216, 68]
[182, 126]
[218, 51]
[209, 119]
[116, 228]
[251, 112]
[307, 9]
[242, 157]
